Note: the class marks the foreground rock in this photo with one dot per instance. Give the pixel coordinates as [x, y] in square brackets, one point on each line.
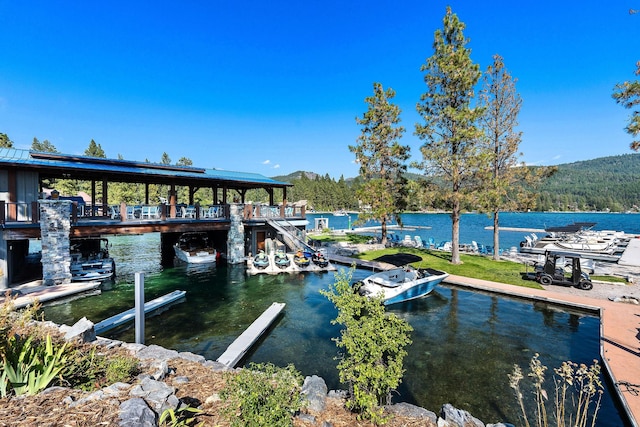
[142, 403]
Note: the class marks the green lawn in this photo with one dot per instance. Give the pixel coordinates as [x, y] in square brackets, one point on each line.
[477, 266]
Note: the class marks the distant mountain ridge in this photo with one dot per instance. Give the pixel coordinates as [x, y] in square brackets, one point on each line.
[605, 183]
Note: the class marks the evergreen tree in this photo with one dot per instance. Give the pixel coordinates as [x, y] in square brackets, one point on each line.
[5, 142]
[451, 149]
[628, 94]
[381, 159]
[501, 105]
[95, 150]
[184, 161]
[44, 146]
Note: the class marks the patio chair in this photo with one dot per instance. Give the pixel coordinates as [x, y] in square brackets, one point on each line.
[188, 212]
[131, 212]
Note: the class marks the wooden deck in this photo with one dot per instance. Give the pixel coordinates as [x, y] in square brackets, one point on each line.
[129, 315]
[238, 348]
[619, 340]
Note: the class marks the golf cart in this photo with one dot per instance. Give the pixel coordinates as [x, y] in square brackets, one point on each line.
[563, 268]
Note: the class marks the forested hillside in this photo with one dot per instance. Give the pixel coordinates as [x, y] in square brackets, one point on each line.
[607, 183]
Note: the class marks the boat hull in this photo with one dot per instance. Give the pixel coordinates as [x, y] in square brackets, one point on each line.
[197, 257]
[399, 284]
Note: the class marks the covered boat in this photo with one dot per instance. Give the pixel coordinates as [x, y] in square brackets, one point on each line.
[402, 283]
[90, 260]
[195, 248]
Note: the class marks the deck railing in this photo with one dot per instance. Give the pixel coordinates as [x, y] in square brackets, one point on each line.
[268, 211]
[28, 212]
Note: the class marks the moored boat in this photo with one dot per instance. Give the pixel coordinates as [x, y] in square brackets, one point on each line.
[402, 283]
[319, 259]
[195, 248]
[281, 259]
[90, 260]
[261, 261]
[301, 259]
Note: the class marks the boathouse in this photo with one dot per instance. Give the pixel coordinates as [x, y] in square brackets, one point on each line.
[28, 212]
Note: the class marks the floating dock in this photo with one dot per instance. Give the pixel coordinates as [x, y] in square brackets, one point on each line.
[524, 230]
[129, 315]
[236, 351]
[47, 294]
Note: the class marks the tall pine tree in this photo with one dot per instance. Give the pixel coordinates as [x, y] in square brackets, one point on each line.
[381, 159]
[452, 150]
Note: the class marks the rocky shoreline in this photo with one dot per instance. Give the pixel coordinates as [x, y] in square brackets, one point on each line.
[154, 391]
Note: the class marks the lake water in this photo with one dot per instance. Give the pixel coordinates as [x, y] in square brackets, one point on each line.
[472, 226]
[464, 343]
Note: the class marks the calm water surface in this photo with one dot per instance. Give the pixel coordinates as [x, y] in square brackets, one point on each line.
[464, 343]
[472, 226]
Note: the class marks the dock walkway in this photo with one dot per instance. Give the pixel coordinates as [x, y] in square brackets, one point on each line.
[619, 340]
[631, 254]
[238, 348]
[129, 315]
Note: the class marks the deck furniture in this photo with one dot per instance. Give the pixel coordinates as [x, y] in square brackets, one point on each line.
[150, 212]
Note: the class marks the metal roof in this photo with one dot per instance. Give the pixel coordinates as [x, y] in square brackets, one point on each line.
[126, 170]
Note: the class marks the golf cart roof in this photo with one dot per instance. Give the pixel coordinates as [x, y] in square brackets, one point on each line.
[565, 254]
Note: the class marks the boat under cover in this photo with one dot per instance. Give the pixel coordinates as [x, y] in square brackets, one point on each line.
[90, 260]
[194, 248]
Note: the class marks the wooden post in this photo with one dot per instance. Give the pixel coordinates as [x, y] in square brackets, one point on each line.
[123, 211]
[35, 212]
[139, 308]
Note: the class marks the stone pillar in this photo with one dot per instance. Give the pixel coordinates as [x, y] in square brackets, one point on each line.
[235, 238]
[55, 228]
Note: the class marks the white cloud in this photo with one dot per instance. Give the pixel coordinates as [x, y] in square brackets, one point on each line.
[266, 162]
[276, 166]
[556, 157]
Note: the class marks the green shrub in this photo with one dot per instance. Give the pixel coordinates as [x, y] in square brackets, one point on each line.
[89, 370]
[29, 366]
[179, 417]
[262, 395]
[374, 348]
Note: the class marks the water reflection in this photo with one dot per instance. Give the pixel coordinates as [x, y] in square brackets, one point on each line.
[464, 343]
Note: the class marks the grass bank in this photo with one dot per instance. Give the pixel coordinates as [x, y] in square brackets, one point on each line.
[476, 266]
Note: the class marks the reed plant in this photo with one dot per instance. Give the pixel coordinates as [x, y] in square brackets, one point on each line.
[577, 394]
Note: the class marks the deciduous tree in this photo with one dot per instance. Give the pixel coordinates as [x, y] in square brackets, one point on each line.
[374, 345]
[452, 150]
[382, 159]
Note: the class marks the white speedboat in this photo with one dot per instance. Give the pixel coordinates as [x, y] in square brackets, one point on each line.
[90, 260]
[194, 248]
[402, 283]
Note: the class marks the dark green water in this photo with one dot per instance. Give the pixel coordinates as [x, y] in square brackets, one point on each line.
[464, 343]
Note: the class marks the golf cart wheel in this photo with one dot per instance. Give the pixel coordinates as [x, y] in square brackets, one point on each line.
[545, 280]
[585, 285]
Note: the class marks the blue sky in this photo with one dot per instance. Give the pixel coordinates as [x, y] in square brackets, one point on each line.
[274, 86]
